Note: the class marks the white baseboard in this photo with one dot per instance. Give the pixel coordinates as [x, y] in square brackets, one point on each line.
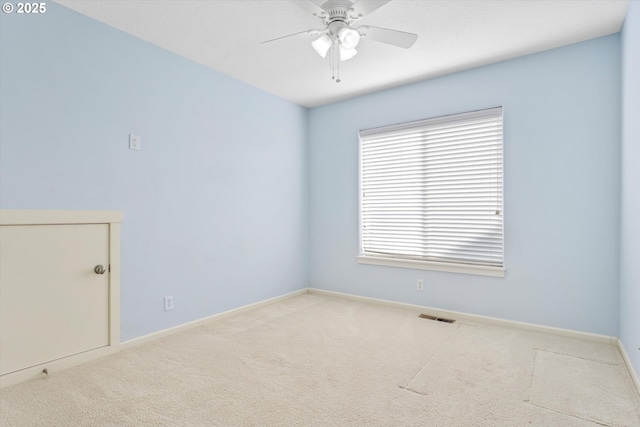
[632, 371]
[195, 323]
[475, 318]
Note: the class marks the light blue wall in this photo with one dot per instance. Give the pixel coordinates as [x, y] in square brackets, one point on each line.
[562, 160]
[217, 207]
[215, 204]
[630, 223]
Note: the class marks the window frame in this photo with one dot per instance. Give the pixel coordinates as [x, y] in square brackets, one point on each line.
[455, 267]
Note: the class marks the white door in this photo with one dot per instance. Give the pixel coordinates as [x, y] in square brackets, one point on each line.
[52, 302]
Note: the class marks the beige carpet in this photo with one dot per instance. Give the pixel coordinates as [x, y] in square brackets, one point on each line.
[320, 361]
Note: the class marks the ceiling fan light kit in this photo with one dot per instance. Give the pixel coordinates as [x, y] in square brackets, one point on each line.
[322, 45]
[347, 53]
[338, 37]
[349, 38]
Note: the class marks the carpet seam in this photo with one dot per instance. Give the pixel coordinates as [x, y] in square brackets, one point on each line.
[577, 357]
[412, 390]
[431, 358]
[533, 373]
[602, 423]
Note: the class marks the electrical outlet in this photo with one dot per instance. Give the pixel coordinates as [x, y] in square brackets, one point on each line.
[420, 285]
[168, 303]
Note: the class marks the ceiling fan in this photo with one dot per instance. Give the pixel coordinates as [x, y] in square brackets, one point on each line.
[339, 37]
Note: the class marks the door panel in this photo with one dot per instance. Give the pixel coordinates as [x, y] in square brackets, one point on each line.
[52, 303]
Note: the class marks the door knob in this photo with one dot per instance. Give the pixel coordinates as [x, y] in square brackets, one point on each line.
[99, 269]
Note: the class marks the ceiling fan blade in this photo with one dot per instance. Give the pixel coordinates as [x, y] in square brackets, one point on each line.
[309, 33]
[365, 7]
[310, 6]
[388, 36]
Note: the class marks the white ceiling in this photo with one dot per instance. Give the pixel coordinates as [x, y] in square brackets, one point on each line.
[454, 35]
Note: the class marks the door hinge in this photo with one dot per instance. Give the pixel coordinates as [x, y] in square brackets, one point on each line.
[109, 268]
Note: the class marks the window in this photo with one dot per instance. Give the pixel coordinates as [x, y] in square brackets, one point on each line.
[431, 194]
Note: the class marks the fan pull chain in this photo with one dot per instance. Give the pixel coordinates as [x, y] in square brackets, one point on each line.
[331, 62]
[335, 57]
[334, 62]
[338, 64]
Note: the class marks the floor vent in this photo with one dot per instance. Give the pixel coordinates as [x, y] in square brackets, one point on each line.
[439, 319]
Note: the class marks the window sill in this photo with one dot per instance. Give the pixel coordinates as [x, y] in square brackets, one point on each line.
[437, 266]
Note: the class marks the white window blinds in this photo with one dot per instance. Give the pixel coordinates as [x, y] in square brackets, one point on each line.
[432, 190]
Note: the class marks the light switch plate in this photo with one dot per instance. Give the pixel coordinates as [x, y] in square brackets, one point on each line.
[134, 142]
